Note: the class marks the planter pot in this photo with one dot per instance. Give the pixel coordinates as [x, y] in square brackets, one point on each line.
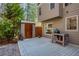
[39, 36]
[14, 41]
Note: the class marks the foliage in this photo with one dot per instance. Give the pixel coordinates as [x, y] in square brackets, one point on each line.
[12, 16]
[13, 11]
[32, 11]
[6, 29]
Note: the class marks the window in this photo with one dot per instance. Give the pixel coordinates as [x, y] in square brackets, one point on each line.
[71, 23]
[38, 4]
[66, 4]
[39, 11]
[48, 28]
[51, 5]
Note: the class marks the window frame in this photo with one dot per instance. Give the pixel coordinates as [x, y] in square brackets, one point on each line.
[46, 28]
[76, 22]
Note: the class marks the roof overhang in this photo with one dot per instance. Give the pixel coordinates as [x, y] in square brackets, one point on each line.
[27, 22]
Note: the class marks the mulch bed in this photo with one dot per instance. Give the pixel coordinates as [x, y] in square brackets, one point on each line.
[5, 42]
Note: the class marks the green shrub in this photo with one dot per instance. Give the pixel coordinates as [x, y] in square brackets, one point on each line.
[6, 29]
[11, 20]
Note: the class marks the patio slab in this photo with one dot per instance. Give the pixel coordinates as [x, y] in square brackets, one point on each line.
[9, 50]
[44, 47]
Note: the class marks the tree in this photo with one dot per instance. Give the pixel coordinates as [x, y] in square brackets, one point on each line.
[13, 13]
[31, 11]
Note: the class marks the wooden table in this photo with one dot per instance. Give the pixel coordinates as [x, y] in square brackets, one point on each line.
[61, 38]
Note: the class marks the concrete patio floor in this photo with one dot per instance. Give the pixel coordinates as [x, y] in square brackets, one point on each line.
[9, 50]
[44, 47]
[38, 47]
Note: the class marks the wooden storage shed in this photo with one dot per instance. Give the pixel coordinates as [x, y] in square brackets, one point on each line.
[27, 29]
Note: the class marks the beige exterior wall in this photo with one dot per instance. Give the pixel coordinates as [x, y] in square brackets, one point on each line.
[56, 23]
[71, 10]
[23, 29]
[47, 13]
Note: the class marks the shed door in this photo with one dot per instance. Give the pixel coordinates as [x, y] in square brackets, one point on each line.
[38, 31]
[28, 30]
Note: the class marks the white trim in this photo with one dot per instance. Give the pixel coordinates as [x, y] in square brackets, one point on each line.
[66, 23]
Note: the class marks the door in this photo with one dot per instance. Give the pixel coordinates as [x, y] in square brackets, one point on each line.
[28, 30]
[38, 31]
